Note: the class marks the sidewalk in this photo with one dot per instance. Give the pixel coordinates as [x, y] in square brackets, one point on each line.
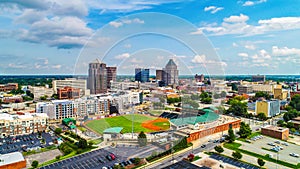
[253, 160]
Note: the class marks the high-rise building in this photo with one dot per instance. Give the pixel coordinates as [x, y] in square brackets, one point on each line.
[199, 78]
[159, 74]
[100, 77]
[111, 75]
[142, 75]
[170, 73]
[97, 79]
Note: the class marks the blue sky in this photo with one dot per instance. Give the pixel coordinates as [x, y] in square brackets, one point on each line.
[207, 36]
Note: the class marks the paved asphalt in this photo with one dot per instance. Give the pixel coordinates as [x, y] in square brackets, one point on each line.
[91, 160]
[179, 157]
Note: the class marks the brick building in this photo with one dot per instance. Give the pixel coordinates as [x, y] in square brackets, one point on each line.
[13, 160]
[8, 87]
[276, 132]
[68, 93]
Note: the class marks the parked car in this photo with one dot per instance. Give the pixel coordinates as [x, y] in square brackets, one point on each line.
[203, 146]
[271, 144]
[294, 155]
[284, 143]
[278, 142]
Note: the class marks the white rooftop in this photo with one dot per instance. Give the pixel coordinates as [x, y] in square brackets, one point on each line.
[10, 158]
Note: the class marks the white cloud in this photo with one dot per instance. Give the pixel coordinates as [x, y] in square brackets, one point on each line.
[213, 9]
[126, 6]
[120, 23]
[16, 66]
[251, 47]
[235, 44]
[56, 66]
[251, 3]
[201, 59]
[236, 18]
[127, 46]
[285, 51]
[243, 54]
[237, 25]
[122, 56]
[135, 60]
[60, 32]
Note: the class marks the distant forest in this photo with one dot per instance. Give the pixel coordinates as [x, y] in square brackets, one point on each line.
[42, 80]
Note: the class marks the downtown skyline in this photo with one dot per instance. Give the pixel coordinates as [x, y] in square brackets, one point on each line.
[243, 37]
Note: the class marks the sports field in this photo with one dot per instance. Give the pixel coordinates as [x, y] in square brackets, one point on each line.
[124, 121]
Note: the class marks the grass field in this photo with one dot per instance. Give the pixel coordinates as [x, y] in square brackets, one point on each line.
[124, 121]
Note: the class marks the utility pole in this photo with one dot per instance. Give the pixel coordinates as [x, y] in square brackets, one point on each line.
[132, 125]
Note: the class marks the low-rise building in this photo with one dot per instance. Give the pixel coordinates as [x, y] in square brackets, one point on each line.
[22, 124]
[8, 87]
[275, 132]
[296, 122]
[38, 92]
[12, 161]
[68, 93]
[72, 82]
[245, 89]
[270, 108]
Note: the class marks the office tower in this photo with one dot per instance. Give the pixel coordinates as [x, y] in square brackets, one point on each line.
[97, 79]
[199, 78]
[142, 75]
[159, 74]
[111, 75]
[170, 73]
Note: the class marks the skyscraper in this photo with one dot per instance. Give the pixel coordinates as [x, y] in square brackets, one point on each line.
[170, 73]
[142, 75]
[159, 74]
[111, 75]
[97, 79]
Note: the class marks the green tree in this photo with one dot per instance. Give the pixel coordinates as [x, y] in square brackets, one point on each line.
[34, 164]
[44, 97]
[82, 143]
[231, 137]
[290, 115]
[58, 130]
[293, 130]
[290, 125]
[57, 157]
[136, 161]
[219, 149]
[262, 94]
[295, 102]
[260, 162]
[237, 155]
[55, 96]
[281, 123]
[245, 130]
[181, 144]
[237, 108]
[262, 116]
[142, 139]
[223, 94]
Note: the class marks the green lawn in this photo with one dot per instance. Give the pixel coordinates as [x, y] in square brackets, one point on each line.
[124, 121]
[163, 125]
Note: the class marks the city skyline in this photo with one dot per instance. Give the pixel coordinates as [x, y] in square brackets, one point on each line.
[242, 36]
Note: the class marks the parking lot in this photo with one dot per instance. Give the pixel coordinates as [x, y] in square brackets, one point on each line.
[131, 151]
[23, 143]
[232, 162]
[257, 145]
[92, 160]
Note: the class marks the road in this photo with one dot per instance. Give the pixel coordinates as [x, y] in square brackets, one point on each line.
[177, 157]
